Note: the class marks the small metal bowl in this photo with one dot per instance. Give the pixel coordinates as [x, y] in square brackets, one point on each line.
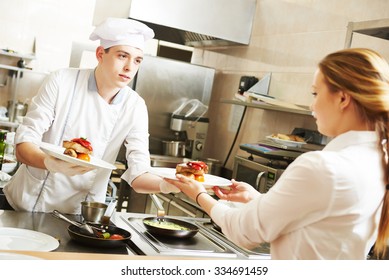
[93, 212]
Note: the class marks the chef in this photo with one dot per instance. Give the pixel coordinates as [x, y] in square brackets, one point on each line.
[95, 104]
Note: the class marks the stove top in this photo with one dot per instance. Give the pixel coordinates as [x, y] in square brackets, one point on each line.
[208, 242]
[261, 251]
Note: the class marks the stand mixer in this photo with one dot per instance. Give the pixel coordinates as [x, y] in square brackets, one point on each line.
[191, 128]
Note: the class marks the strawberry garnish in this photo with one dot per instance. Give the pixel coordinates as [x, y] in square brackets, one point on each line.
[83, 142]
[198, 165]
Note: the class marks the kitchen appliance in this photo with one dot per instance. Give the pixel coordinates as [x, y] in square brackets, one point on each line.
[208, 242]
[197, 22]
[246, 82]
[256, 173]
[267, 161]
[191, 127]
[166, 85]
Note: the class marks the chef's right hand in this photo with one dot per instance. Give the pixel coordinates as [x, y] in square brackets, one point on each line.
[69, 169]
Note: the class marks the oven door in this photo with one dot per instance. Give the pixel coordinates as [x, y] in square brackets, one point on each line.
[260, 176]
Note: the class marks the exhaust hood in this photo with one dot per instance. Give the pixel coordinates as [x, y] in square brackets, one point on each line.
[197, 23]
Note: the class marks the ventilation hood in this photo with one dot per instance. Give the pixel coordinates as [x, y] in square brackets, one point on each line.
[197, 23]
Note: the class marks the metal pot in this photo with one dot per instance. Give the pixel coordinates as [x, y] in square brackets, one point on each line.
[173, 148]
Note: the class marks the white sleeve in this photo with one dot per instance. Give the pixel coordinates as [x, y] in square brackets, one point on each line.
[137, 145]
[41, 112]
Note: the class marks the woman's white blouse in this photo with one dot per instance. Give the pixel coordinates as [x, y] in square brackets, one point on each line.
[326, 205]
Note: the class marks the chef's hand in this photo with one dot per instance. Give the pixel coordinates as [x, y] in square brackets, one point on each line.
[165, 187]
[188, 186]
[69, 169]
[239, 192]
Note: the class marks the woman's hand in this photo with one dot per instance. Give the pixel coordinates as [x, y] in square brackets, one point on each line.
[239, 192]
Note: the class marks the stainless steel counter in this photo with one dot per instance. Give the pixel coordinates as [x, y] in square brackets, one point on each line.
[46, 223]
[206, 243]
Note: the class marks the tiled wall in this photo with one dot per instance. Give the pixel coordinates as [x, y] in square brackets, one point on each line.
[289, 37]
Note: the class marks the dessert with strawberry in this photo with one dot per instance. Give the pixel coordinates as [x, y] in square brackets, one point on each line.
[193, 169]
[79, 148]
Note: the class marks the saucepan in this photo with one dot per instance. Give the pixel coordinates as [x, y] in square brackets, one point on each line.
[168, 227]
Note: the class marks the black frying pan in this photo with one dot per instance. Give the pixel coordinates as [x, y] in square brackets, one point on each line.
[89, 240]
[190, 232]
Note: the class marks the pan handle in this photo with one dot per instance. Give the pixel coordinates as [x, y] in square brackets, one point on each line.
[59, 215]
[157, 203]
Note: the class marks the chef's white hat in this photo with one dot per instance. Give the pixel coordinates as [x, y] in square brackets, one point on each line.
[122, 31]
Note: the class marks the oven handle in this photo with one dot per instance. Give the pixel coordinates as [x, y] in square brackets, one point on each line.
[258, 180]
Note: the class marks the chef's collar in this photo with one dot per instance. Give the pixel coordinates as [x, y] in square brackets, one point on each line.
[92, 87]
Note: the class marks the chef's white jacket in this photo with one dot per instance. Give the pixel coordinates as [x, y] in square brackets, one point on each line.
[326, 205]
[68, 106]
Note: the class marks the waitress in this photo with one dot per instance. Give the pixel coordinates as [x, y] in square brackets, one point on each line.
[329, 204]
[95, 104]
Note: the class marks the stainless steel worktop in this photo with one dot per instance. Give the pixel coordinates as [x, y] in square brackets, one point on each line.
[46, 223]
[206, 243]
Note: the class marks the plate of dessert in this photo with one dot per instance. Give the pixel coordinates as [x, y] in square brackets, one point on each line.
[77, 151]
[196, 170]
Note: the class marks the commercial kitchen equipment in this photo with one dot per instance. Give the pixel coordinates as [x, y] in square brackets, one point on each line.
[190, 127]
[208, 242]
[267, 160]
[205, 244]
[197, 22]
[166, 84]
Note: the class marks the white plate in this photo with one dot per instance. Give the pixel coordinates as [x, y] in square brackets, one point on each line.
[13, 256]
[209, 180]
[26, 240]
[286, 142]
[57, 152]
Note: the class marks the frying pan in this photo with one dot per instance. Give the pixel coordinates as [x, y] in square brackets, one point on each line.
[89, 240]
[192, 229]
[190, 232]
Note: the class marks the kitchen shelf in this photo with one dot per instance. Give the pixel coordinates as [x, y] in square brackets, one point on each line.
[375, 28]
[266, 107]
[9, 124]
[16, 54]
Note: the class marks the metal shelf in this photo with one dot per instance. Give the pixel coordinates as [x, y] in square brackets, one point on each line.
[375, 28]
[16, 54]
[267, 107]
[9, 124]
